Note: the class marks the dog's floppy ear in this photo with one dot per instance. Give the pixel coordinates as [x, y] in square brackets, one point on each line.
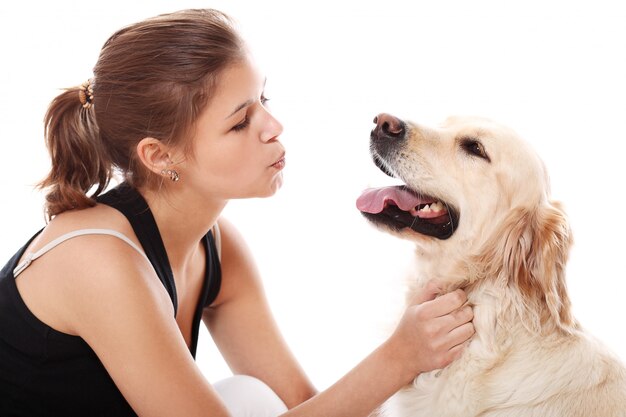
[530, 252]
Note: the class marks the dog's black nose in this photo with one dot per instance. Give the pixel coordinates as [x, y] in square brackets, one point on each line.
[388, 127]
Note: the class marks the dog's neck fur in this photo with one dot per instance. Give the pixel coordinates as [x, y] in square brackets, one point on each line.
[497, 304]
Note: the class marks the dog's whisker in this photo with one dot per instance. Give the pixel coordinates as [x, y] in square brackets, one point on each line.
[420, 195]
[451, 222]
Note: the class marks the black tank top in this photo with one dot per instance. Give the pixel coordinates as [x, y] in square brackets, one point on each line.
[44, 372]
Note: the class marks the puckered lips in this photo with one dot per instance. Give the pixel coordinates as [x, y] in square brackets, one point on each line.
[399, 207]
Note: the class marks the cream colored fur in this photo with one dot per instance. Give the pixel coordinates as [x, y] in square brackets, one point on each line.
[529, 357]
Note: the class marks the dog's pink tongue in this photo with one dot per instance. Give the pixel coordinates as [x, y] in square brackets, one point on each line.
[373, 200]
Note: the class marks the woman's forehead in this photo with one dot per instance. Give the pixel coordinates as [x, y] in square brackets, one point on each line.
[239, 83]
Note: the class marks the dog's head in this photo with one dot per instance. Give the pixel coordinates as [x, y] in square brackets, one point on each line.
[475, 199]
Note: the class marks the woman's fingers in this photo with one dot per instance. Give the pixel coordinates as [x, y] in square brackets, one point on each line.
[445, 304]
[435, 328]
[427, 293]
[454, 354]
[459, 335]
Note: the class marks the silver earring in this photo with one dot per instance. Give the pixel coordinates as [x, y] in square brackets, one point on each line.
[172, 174]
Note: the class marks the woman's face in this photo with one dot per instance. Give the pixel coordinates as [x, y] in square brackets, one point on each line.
[236, 148]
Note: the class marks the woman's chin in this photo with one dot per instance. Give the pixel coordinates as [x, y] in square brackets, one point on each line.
[276, 185]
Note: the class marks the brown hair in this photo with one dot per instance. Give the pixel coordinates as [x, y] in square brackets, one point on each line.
[152, 79]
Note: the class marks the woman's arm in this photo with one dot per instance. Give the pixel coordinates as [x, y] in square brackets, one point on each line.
[429, 336]
[243, 328]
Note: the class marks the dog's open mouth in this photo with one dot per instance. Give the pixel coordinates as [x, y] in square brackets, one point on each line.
[399, 207]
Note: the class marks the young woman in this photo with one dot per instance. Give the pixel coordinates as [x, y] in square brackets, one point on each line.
[100, 311]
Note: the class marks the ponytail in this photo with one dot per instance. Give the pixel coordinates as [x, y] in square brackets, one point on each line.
[79, 161]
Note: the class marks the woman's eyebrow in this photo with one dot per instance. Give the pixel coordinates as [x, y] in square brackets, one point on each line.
[239, 107]
[245, 104]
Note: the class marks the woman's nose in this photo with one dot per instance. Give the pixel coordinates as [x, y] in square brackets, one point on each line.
[273, 128]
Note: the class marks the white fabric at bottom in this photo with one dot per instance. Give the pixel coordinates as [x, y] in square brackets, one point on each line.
[246, 396]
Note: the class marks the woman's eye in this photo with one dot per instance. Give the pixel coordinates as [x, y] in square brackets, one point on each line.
[241, 126]
[475, 148]
[246, 122]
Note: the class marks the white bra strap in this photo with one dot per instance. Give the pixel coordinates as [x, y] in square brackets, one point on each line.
[31, 256]
[218, 240]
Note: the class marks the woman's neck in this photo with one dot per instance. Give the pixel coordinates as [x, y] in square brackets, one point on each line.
[183, 219]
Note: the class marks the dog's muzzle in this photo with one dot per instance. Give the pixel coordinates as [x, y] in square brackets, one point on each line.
[400, 207]
[386, 137]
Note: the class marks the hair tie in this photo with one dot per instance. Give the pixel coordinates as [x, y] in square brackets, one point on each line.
[85, 94]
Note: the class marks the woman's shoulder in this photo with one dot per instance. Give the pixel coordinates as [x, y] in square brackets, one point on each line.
[100, 217]
[83, 242]
[95, 267]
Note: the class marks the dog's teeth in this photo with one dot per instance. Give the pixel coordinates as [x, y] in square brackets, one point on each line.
[428, 208]
[437, 206]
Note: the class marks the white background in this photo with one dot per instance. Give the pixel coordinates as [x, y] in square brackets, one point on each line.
[554, 71]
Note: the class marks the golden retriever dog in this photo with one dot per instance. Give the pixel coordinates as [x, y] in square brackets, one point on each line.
[475, 200]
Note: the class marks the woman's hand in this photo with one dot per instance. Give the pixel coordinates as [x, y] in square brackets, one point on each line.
[430, 335]
[433, 330]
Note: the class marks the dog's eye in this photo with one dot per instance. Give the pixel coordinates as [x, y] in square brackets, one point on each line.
[475, 148]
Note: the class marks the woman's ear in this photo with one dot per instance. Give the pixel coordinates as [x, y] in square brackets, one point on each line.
[154, 155]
